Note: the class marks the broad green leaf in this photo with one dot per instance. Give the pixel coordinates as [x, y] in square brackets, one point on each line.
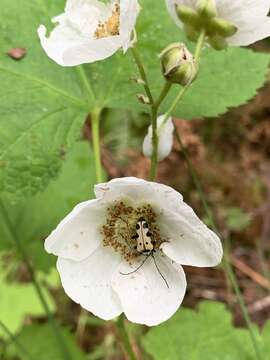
[227, 78]
[17, 301]
[35, 217]
[43, 106]
[205, 334]
[41, 344]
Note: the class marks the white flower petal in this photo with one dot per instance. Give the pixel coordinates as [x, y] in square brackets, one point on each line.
[78, 234]
[190, 241]
[88, 282]
[73, 42]
[244, 37]
[129, 12]
[165, 136]
[88, 51]
[144, 295]
[160, 196]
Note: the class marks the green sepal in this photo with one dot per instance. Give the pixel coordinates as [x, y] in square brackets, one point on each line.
[217, 42]
[222, 27]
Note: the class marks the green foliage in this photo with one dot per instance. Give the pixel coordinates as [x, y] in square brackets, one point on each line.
[42, 345]
[37, 216]
[237, 219]
[43, 106]
[205, 334]
[19, 300]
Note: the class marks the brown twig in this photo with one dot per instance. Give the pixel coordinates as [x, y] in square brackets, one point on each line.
[247, 270]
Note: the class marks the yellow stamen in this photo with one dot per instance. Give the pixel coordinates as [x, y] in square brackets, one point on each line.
[111, 27]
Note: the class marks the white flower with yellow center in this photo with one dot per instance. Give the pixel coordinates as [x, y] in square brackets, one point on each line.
[90, 30]
[165, 138]
[249, 17]
[122, 251]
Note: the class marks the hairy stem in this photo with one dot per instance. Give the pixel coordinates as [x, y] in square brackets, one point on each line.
[226, 261]
[21, 250]
[139, 63]
[154, 109]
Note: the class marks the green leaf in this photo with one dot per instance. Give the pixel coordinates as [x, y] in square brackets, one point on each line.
[227, 78]
[205, 334]
[42, 344]
[42, 106]
[17, 301]
[37, 216]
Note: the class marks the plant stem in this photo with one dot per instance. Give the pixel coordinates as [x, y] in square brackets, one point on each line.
[36, 285]
[154, 109]
[199, 46]
[125, 337]
[95, 121]
[139, 63]
[86, 83]
[164, 92]
[20, 347]
[226, 263]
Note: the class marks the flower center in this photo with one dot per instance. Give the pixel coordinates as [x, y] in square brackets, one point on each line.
[111, 27]
[131, 231]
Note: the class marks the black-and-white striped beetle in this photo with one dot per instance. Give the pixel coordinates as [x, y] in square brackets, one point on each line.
[145, 246]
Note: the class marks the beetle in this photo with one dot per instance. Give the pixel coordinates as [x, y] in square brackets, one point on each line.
[145, 246]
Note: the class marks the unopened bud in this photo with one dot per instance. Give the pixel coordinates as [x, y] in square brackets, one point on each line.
[206, 8]
[178, 64]
[222, 27]
[188, 16]
[143, 99]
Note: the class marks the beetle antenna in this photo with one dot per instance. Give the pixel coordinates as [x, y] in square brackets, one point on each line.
[166, 282]
[132, 272]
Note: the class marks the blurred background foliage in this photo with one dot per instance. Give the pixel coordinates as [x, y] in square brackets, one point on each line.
[46, 167]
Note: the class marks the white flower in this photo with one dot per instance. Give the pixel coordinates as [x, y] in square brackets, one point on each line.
[249, 16]
[165, 138]
[90, 30]
[100, 254]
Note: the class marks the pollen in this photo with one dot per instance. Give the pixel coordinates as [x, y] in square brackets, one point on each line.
[111, 27]
[120, 228]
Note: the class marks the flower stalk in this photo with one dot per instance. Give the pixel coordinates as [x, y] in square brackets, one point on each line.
[21, 250]
[95, 121]
[154, 109]
[125, 338]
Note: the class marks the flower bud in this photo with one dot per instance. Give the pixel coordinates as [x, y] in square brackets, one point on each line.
[178, 64]
[206, 9]
[165, 138]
